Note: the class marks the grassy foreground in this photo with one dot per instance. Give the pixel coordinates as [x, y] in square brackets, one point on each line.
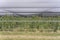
[29, 36]
[31, 33]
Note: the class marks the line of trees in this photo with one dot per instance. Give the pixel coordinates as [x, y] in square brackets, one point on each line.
[29, 26]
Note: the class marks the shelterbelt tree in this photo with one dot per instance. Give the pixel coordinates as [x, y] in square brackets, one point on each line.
[33, 23]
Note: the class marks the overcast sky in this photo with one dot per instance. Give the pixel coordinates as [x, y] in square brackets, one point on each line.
[29, 0]
[30, 3]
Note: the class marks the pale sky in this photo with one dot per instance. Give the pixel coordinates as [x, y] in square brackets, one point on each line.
[29, 0]
[30, 3]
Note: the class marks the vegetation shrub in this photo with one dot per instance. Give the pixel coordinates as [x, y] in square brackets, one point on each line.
[31, 26]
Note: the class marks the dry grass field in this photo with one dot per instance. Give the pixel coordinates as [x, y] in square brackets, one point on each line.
[29, 36]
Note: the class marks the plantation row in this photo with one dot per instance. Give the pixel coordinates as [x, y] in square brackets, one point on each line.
[29, 26]
[28, 18]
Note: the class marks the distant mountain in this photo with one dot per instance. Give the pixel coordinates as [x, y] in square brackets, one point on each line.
[47, 13]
